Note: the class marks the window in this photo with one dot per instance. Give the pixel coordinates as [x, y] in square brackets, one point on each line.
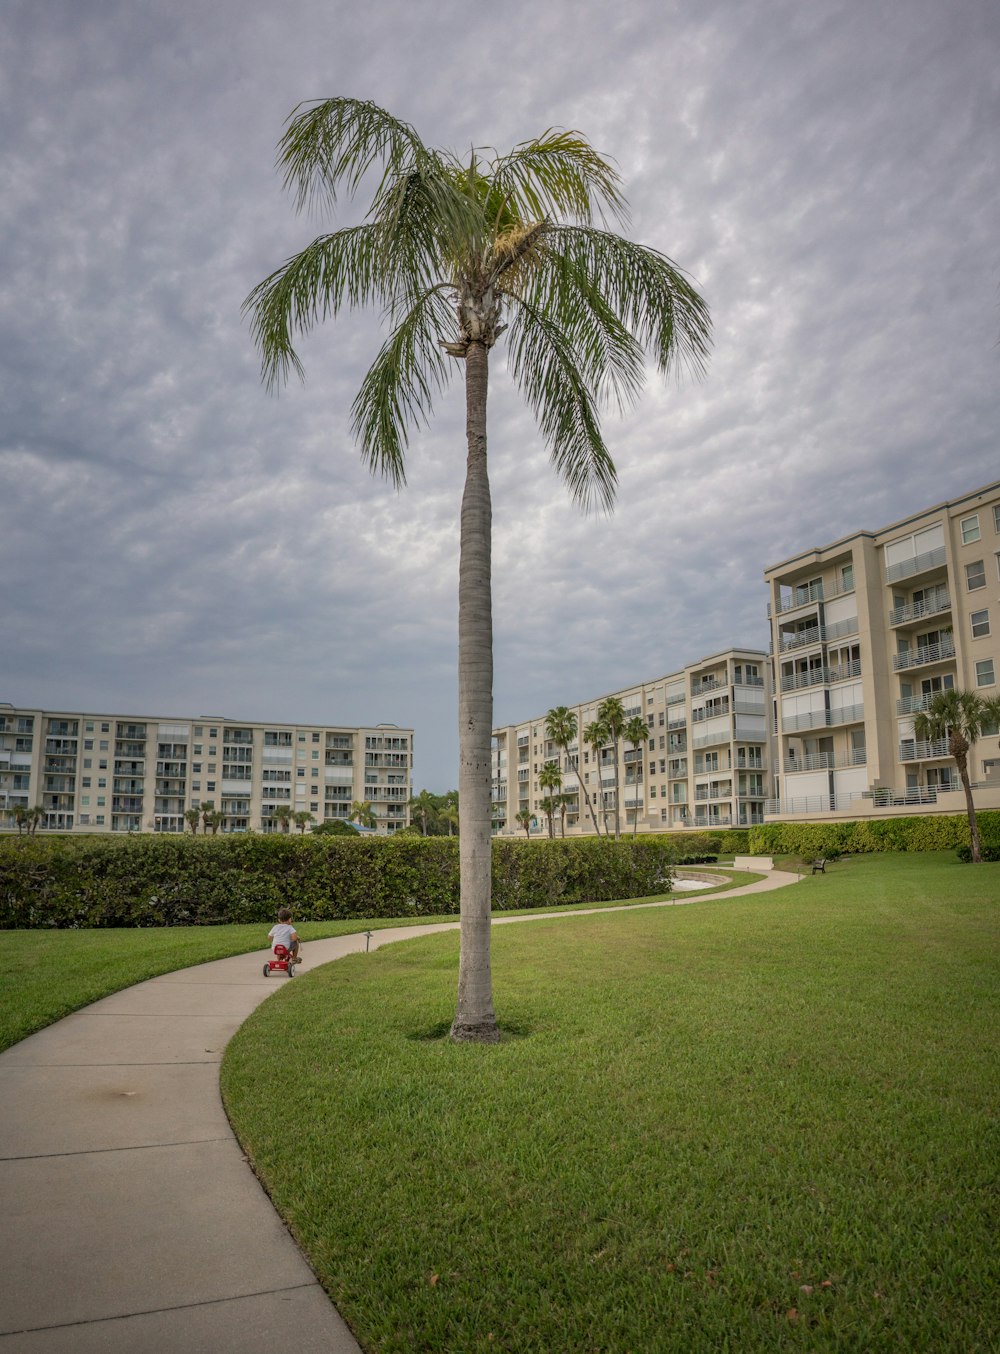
[196, 785]
[197, 749]
[210, 785]
[88, 726]
[85, 799]
[104, 745]
[88, 762]
[196, 768]
[100, 818]
[85, 782]
[102, 782]
[315, 773]
[213, 733]
[975, 575]
[300, 771]
[88, 743]
[315, 755]
[980, 624]
[846, 577]
[984, 673]
[105, 728]
[315, 737]
[103, 764]
[302, 738]
[996, 517]
[970, 529]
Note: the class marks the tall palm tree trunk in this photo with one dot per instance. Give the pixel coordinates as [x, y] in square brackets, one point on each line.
[475, 1018]
[960, 752]
[618, 797]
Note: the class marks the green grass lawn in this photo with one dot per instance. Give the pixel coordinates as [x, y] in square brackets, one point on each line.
[756, 1124]
[47, 974]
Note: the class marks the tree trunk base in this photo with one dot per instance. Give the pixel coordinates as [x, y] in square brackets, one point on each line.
[475, 1032]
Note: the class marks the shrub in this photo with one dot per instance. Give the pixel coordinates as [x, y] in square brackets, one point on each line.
[186, 880]
[810, 840]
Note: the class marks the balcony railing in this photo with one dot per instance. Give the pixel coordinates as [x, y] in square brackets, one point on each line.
[825, 761]
[912, 750]
[927, 653]
[812, 719]
[801, 638]
[932, 605]
[917, 564]
[707, 739]
[913, 705]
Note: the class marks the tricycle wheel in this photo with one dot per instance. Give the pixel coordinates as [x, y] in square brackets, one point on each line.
[267, 970]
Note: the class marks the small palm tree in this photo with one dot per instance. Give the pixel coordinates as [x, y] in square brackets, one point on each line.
[523, 817]
[423, 806]
[455, 253]
[561, 727]
[283, 815]
[193, 818]
[302, 819]
[636, 732]
[595, 735]
[550, 778]
[961, 717]
[611, 714]
[362, 812]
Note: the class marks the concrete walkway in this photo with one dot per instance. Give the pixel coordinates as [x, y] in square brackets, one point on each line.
[131, 1222]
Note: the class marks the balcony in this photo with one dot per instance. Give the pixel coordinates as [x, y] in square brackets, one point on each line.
[708, 684]
[917, 564]
[800, 638]
[814, 719]
[927, 653]
[707, 739]
[931, 605]
[822, 676]
[825, 761]
[913, 705]
[912, 750]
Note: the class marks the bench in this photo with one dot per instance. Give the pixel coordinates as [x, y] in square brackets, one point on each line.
[753, 863]
[819, 866]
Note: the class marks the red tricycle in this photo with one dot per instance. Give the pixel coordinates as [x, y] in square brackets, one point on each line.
[281, 961]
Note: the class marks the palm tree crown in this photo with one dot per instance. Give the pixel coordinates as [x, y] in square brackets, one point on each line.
[455, 252]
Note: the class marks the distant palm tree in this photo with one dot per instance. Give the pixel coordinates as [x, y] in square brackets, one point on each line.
[421, 806]
[550, 778]
[282, 815]
[611, 714]
[193, 818]
[302, 818]
[523, 817]
[362, 812]
[636, 732]
[595, 735]
[450, 815]
[961, 717]
[561, 728]
[454, 253]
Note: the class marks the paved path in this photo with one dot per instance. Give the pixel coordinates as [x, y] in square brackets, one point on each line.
[131, 1223]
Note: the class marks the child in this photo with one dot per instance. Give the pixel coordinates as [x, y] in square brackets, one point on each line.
[283, 933]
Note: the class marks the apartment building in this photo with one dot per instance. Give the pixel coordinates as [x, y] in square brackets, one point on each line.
[864, 632]
[141, 773]
[706, 761]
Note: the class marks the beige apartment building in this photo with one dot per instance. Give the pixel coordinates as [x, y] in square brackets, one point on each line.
[140, 773]
[705, 763]
[864, 632]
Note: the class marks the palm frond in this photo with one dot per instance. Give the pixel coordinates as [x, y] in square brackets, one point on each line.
[543, 363]
[558, 174]
[651, 296]
[331, 143]
[610, 356]
[400, 385]
[309, 287]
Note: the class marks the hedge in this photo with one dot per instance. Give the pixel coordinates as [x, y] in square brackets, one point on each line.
[186, 880]
[882, 834]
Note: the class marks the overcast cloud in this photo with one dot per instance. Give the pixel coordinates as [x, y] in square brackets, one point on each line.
[173, 539]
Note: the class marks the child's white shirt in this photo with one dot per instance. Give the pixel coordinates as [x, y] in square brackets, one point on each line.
[282, 934]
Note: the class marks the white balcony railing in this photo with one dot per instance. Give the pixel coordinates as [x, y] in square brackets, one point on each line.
[932, 605]
[917, 564]
[927, 653]
[912, 750]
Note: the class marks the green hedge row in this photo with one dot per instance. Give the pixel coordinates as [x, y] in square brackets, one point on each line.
[177, 881]
[886, 834]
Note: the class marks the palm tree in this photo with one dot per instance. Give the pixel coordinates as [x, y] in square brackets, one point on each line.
[423, 804]
[454, 252]
[362, 812]
[560, 727]
[961, 717]
[302, 818]
[450, 815]
[193, 818]
[550, 778]
[282, 815]
[636, 732]
[595, 735]
[611, 714]
[523, 817]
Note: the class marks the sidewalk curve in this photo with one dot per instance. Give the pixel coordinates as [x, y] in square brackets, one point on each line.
[131, 1221]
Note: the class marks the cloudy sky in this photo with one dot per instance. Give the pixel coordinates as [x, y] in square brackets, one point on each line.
[174, 539]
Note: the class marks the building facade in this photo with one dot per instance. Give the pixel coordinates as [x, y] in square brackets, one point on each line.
[706, 761]
[864, 633]
[142, 773]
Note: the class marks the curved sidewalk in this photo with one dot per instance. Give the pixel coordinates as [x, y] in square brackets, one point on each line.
[131, 1221]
